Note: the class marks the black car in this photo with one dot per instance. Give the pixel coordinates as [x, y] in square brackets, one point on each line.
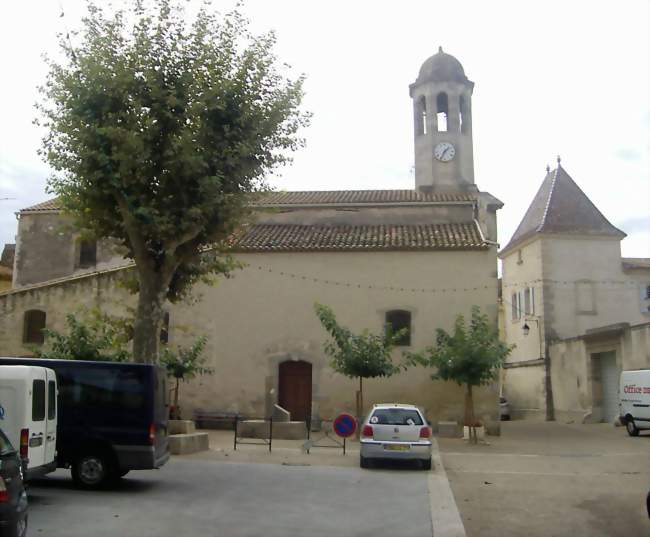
[13, 499]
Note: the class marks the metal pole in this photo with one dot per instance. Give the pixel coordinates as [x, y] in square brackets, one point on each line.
[270, 433]
[236, 418]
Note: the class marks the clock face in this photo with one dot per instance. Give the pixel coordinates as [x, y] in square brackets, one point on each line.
[444, 151]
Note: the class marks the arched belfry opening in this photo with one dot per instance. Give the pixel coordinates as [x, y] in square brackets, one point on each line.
[295, 388]
[442, 109]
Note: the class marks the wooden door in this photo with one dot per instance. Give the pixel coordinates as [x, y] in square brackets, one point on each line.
[295, 389]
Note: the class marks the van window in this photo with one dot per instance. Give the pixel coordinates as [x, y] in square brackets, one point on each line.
[51, 400]
[38, 400]
[104, 388]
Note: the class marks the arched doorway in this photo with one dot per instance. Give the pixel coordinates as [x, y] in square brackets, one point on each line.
[295, 389]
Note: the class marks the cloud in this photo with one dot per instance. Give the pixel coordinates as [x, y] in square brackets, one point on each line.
[628, 153]
[636, 224]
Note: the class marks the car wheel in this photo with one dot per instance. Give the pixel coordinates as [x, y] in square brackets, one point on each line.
[91, 471]
[364, 462]
[426, 464]
[631, 427]
[19, 529]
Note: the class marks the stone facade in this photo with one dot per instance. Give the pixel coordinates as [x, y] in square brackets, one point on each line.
[563, 277]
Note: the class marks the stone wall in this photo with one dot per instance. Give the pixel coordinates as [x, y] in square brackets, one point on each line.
[264, 315]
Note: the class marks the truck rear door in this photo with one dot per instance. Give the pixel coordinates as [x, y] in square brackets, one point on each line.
[37, 424]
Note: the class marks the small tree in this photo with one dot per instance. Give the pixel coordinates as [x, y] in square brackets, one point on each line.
[184, 364]
[359, 356]
[100, 337]
[159, 131]
[470, 356]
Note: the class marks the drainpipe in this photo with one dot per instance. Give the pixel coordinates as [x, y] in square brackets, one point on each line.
[550, 406]
[487, 241]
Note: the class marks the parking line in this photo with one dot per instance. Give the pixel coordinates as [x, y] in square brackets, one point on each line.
[445, 518]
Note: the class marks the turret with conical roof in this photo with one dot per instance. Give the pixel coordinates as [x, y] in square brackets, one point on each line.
[444, 157]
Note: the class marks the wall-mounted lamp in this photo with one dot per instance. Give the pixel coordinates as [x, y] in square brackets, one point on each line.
[526, 329]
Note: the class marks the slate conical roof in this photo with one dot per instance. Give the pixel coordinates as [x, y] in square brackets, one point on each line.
[560, 207]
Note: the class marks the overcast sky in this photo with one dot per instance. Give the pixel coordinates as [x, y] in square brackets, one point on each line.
[552, 78]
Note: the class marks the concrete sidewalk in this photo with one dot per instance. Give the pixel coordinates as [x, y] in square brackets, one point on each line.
[551, 479]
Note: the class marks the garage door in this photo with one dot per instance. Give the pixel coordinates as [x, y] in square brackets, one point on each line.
[609, 375]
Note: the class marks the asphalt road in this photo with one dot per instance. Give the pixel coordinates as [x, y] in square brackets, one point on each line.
[217, 499]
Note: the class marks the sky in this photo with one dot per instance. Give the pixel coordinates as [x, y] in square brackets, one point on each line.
[552, 78]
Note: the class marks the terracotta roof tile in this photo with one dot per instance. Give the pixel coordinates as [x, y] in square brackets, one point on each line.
[303, 238]
[323, 197]
[360, 197]
[49, 205]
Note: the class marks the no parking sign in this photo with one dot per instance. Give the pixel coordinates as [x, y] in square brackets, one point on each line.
[344, 425]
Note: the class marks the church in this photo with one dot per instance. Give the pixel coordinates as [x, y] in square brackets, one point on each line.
[405, 258]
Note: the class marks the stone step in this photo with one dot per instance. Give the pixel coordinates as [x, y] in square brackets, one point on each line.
[184, 444]
[181, 427]
[284, 430]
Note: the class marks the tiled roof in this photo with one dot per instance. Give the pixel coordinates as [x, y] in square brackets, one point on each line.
[561, 207]
[631, 263]
[323, 197]
[301, 238]
[358, 197]
[49, 205]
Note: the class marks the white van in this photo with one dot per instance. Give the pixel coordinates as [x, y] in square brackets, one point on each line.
[634, 397]
[28, 415]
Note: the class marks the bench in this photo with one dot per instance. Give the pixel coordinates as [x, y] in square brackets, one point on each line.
[215, 419]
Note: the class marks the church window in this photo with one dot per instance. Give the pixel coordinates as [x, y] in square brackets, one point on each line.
[422, 115]
[463, 114]
[164, 329]
[34, 323]
[442, 108]
[87, 253]
[397, 320]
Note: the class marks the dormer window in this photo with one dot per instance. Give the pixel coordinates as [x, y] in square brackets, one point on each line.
[442, 109]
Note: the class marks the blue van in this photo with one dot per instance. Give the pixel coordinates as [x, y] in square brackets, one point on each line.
[112, 418]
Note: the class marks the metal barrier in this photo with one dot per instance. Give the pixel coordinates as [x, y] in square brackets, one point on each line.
[266, 441]
[328, 439]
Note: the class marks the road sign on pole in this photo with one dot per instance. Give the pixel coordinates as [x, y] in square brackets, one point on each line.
[345, 425]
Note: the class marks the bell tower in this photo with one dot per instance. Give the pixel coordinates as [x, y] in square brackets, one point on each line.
[442, 117]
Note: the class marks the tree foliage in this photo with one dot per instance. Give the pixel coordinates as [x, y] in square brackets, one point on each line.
[158, 132]
[184, 364]
[364, 355]
[471, 356]
[100, 338]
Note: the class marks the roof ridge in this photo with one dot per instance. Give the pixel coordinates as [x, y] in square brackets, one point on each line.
[548, 200]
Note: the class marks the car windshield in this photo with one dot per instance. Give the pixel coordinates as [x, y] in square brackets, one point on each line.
[396, 416]
[5, 446]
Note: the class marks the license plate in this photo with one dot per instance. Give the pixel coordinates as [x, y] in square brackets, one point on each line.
[397, 447]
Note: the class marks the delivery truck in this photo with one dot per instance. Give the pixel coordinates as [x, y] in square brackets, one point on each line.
[634, 397]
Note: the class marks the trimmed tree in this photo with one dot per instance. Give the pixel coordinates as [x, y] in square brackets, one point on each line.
[364, 355]
[470, 356]
[159, 131]
[184, 364]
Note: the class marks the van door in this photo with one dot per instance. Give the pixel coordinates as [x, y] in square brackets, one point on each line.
[37, 424]
[51, 417]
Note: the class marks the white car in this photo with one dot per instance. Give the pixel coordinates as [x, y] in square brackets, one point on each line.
[395, 431]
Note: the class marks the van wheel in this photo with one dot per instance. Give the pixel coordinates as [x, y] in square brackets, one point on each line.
[91, 471]
[632, 429]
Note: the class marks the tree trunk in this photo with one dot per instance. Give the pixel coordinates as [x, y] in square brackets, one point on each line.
[470, 421]
[148, 318]
[176, 393]
[359, 407]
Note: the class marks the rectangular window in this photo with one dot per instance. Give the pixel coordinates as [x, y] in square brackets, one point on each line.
[515, 306]
[51, 400]
[529, 301]
[38, 400]
[87, 254]
[647, 292]
[400, 320]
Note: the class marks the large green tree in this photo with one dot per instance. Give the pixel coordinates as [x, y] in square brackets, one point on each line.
[158, 131]
[471, 356]
[364, 355]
